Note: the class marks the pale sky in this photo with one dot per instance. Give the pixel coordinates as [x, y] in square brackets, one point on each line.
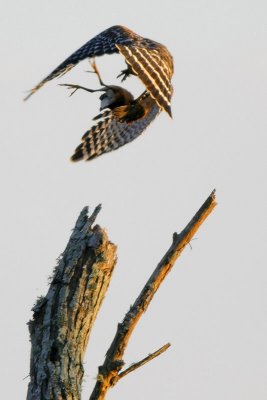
[212, 307]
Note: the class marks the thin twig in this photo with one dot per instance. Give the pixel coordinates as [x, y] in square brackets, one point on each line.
[145, 360]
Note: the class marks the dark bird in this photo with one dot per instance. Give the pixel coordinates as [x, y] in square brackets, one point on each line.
[123, 121]
[149, 60]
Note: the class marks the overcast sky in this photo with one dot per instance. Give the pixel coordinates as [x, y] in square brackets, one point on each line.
[212, 307]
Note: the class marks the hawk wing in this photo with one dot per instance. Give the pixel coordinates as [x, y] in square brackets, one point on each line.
[154, 67]
[110, 133]
[149, 60]
[103, 43]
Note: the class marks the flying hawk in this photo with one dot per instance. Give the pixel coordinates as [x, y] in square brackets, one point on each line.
[123, 120]
[149, 60]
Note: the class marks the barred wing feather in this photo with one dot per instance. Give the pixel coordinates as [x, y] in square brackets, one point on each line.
[110, 134]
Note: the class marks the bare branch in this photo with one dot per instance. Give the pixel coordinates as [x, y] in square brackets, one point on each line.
[109, 371]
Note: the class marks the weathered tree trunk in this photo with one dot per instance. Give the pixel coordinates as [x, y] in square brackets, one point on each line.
[63, 319]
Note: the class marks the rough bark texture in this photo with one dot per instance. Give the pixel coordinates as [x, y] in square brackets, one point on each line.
[63, 319]
[109, 372]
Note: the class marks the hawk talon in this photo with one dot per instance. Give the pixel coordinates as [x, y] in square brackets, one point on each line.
[76, 87]
[125, 73]
[69, 86]
[95, 71]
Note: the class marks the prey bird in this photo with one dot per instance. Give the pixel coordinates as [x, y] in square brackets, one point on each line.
[149, 60]
[123, 119]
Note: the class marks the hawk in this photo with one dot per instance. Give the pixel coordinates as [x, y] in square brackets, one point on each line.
[149, 60]
[123, 120]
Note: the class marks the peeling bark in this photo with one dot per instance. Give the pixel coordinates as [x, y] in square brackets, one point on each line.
[63, 319]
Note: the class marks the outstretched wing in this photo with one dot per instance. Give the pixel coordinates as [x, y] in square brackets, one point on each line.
[103, 43]
[153, 64]
[110, 133]
[149, 60]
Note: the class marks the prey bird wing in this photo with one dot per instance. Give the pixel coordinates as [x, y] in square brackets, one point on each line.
[117, 127]
[149, 60]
